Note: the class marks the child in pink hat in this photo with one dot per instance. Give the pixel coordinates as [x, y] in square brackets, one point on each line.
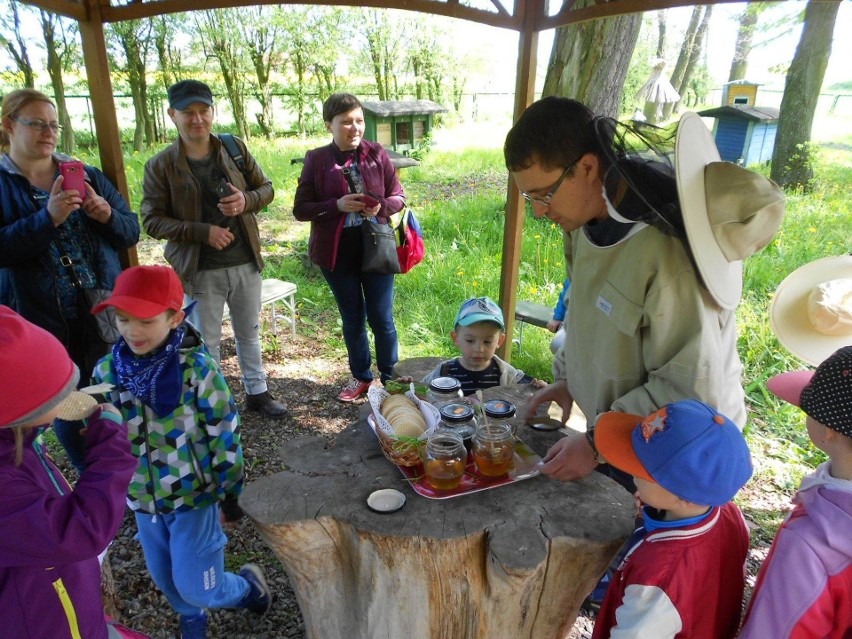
[804, 588]
[184, 430]
[51, 536]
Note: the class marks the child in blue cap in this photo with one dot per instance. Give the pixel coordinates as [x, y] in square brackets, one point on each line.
[684, 575]
[478, 332]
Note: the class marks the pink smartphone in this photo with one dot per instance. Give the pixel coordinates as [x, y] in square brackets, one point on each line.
[74, 177]
[369, 200]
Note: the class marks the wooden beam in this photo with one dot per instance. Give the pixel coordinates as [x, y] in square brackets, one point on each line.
[514, 225]
[103, 108]
[68, 8]
[436, 7]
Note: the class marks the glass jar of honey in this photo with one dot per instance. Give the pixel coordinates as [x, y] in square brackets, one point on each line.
[499, 411]
[494, 449]
[443, 390]
[460, 418]
[445, 460]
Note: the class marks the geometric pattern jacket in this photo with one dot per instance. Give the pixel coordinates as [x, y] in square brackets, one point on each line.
[192, 457]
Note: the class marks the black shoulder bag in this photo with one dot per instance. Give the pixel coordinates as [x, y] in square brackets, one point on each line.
[103, 323]
[378, 240]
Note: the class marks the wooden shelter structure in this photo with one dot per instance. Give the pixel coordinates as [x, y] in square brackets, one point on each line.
[527, 17]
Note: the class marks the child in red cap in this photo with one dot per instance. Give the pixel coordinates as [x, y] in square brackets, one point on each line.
[184, 429]
[51, 536]
[804, 588]
[684, 574]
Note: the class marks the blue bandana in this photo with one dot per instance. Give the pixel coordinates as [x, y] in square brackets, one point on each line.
[154, 379]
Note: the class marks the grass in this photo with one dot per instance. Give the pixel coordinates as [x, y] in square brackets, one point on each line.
[459, 198]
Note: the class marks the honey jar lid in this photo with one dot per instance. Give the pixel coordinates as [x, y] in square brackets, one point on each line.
[499, 409]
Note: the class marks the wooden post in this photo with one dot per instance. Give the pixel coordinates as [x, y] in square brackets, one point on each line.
[103, 108]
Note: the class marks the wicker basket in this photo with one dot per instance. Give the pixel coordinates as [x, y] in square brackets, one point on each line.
[399, 452]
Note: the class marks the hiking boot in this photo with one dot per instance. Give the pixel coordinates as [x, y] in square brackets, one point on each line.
[259, 598]
[267, 405]
[353, 390]
[193, 626]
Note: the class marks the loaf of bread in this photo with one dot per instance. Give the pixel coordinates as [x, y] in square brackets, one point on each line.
[403, 416]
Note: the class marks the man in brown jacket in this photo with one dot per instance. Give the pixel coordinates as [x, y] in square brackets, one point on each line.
[198, 198]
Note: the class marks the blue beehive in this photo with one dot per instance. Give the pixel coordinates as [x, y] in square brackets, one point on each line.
[744, 134]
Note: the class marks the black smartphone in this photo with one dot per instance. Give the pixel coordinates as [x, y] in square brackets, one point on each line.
[222, 189]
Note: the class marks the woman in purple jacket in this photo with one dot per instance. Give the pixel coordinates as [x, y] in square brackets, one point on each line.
[51, 536]
[349, 182]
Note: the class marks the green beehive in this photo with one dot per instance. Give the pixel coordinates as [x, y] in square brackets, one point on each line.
[399, 125]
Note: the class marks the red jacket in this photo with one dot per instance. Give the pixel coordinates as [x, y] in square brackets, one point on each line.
[322, 183]
[680, 582]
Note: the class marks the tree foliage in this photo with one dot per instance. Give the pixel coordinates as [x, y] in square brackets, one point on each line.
[15, 44]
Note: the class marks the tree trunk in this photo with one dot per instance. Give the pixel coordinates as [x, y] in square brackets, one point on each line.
[791, 159]
[54, 70]
[683, 57]
[742, 49]
[589, 61]
[20, 54]
[694, 55]
[661, 35]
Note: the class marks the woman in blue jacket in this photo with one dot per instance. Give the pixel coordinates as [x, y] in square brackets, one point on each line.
[349, 182]
[43, 226]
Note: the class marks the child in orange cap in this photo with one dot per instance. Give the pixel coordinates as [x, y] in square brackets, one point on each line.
[185, 432]
[51, 536]
[684, 575]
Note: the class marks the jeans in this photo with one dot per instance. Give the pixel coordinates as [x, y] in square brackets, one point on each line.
[361, 298]
[185, 554]
[239, 287]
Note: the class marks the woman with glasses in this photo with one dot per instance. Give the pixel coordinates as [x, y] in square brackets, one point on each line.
[55, 241]
[343, 185]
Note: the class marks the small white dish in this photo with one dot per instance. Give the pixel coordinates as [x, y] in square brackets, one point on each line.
[386, 500]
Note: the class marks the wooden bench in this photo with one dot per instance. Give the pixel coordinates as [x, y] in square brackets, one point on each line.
[273, 291]
[531, 313]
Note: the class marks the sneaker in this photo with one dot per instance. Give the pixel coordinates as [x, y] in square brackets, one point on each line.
[193, 626]
[259, 598]
[267, 404]
[353, 390]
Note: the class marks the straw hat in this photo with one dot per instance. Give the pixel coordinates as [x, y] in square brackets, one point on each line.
[811, 312]
[729, 212]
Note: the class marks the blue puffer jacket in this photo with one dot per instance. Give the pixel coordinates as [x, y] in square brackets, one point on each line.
[27, 274]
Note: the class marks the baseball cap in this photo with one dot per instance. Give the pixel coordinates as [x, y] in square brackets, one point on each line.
[825, 394]
[479, 309]
[687, 447]
[145, 291]
[185, 92]
[36, 373]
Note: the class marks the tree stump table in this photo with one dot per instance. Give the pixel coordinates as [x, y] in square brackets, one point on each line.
[513, 562]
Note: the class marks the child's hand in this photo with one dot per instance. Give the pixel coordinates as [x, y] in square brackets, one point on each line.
[554, 325]
[538, 383]
[404, 380]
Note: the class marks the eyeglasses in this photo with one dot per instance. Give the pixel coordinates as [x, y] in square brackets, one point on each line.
[39, 125]
[545, 201]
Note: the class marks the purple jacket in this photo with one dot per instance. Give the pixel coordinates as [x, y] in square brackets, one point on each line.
[50, 537]
[322, 183]
[804, 589]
